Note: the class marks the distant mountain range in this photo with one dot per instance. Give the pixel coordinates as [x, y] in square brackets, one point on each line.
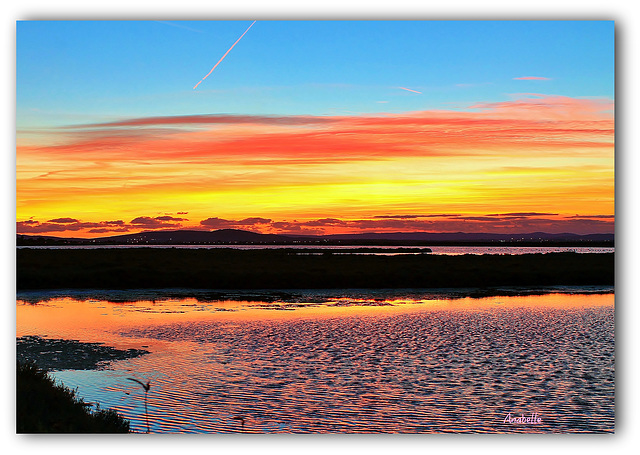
[235, 236]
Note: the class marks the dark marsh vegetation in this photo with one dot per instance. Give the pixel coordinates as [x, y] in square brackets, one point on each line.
[288, 269]
[42, 406]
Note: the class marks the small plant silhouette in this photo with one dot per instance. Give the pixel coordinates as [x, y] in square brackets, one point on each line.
[146, 388]
[240, 419]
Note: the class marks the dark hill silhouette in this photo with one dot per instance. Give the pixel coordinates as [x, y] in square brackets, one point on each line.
[195, 237]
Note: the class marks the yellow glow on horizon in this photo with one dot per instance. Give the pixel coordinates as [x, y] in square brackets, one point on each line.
[471, 164]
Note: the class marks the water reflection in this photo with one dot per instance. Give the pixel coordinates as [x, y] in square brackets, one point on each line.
[349, 363]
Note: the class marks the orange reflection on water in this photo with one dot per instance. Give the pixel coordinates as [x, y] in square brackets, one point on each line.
[71, 317]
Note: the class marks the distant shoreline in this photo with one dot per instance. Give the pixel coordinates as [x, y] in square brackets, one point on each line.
[232, 237]
[154, 268]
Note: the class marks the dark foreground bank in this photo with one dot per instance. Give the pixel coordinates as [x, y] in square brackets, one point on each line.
[42, 406]
[285, 269]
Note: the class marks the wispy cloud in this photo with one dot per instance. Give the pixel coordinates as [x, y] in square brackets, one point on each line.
[531, 78]
[210, 120]
[540, 107]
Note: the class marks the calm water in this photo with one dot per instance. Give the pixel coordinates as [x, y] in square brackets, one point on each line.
[448, 250]
[387, 361]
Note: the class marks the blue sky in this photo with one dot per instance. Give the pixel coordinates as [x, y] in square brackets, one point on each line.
[79, 71]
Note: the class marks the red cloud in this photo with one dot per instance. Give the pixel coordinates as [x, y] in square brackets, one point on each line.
[499, 223]
[35, 227]
[286, 227]
[107, 230]
[532, 121]
[169, 218]
[522, 214]
[216, 223]
[155, 223]
[71, 224]
[326, 222]
[219, 223]
[404, 217]
[252, 221]
[63, 220]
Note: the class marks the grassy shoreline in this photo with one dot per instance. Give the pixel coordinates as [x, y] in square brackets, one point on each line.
[45, 406]
[284, 269]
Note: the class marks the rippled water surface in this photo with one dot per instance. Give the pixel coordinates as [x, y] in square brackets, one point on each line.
[350, 362]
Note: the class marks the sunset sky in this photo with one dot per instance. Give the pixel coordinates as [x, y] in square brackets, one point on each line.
[311, 127]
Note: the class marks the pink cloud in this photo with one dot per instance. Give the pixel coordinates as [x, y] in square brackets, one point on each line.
[531, 78]
[558, 111]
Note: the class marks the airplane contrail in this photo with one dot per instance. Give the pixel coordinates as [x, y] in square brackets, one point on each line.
[225, 54]
[409, 90]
